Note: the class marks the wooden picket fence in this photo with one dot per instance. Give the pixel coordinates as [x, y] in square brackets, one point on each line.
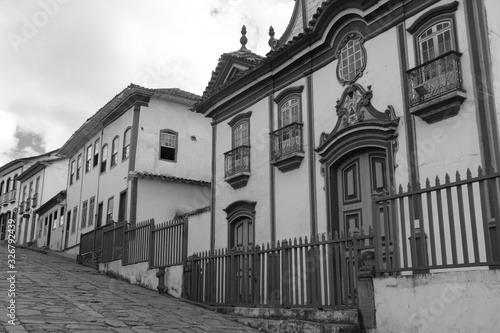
[137, 242]
[450, 225]
[319, 272]
[112, 242]
[168, 243]
[161, 245]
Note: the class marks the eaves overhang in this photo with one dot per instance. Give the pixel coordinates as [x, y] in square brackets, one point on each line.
[37, 167]
[168, 178]
[49, 204]
[129, 97]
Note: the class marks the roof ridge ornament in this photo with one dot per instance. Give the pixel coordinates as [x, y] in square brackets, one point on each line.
[273, 42]
[243, 39]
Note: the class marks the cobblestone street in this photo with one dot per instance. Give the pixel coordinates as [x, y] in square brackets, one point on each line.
[56, 295]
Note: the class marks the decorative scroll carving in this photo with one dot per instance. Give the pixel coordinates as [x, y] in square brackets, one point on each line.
[355, 111]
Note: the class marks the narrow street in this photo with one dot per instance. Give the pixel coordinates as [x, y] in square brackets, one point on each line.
[56, 295]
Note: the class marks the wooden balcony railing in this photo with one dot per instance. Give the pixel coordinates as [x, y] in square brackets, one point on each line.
[435, 78]
[237, 161]
[286, 141]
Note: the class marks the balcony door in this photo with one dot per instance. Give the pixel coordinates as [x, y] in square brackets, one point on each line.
[433, 43]
[357, 178]
[241, 138]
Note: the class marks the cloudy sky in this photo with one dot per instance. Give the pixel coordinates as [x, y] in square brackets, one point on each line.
[62, 60]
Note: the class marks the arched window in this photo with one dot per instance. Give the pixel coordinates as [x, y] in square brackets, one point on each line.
[237, 160]
[241, 216]
[435, 83]
[1, 187]
[104, 158]
[114, 151]
[286, 141]
[240, 134]
[435, 40]
[7, 185]
[126, 144]
[168, 145]
[14, 185]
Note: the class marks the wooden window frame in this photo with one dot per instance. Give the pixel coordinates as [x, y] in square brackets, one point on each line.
[171, 132]
[55, 224]
[74, 219]
[97, 148]
[72, 173]
[429, 24]
[114, 151]
[91, 210]
[104, 158]
[126, 145]
[109, 215]
[83, 222]
[88, 158]
[79, 162]
[358, 71]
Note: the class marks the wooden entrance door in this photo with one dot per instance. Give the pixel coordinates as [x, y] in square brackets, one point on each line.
[68, 223]
[241, 241]
[358, 177]
[243, 233]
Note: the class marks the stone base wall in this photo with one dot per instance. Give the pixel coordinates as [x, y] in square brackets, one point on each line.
[465, 301]
[141, 275]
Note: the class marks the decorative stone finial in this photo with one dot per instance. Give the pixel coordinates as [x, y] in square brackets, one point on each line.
[272, 41]
[243, 39]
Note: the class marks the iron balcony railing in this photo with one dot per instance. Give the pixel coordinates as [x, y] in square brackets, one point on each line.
[286, 141]
[435, 78]
[237, 161]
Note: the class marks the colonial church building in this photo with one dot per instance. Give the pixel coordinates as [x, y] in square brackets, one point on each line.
[372, 123]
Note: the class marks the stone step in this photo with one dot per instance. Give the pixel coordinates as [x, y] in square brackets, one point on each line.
[329, 316]
[295, 326]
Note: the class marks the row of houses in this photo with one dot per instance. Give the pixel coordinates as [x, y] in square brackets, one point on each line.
[368, 135]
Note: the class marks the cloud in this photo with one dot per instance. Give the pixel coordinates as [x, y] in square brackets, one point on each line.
[29, 143]
[89, 51]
